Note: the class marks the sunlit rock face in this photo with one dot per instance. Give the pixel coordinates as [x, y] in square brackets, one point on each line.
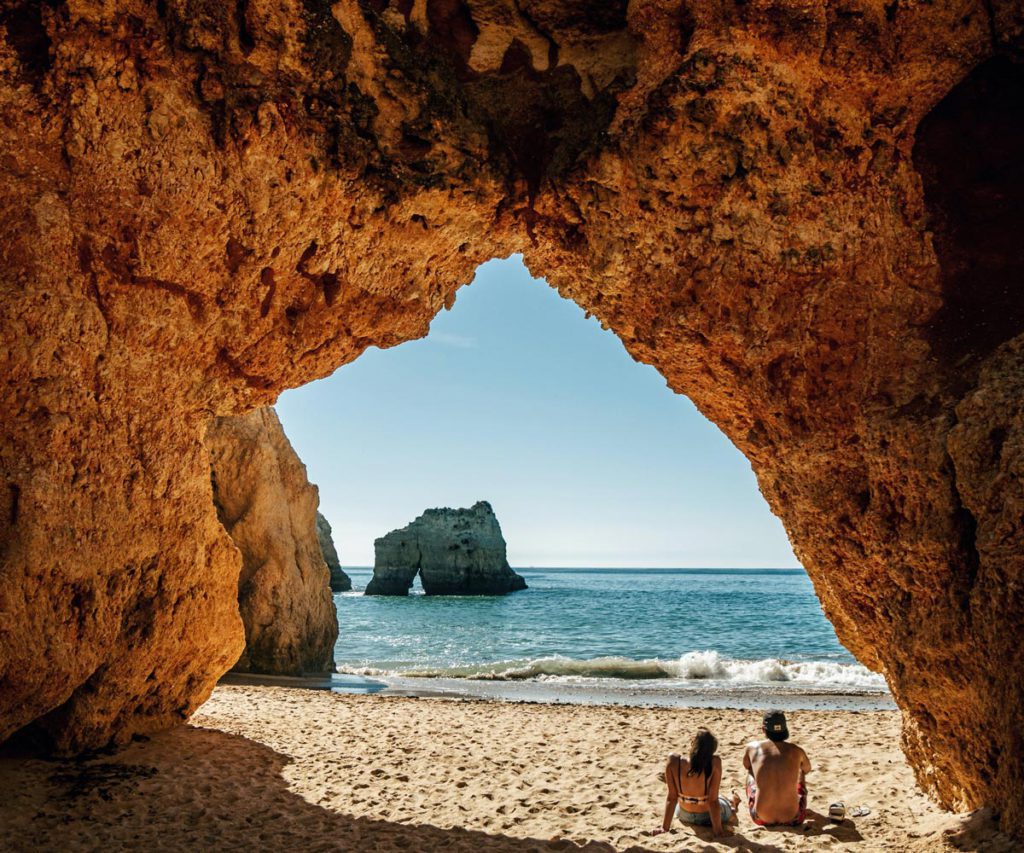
[454, 552]
[268, 507]
[783, 207]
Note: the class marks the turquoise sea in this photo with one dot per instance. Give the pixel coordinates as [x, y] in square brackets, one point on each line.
[640, 633]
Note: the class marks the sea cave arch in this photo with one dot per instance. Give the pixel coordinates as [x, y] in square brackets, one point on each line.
[205, 204]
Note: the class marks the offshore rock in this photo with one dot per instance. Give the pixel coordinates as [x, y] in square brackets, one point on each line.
[340, 582]
[268, 507]
[805, 215]
[454, 551]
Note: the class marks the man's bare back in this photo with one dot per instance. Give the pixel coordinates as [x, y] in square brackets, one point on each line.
[777, 788]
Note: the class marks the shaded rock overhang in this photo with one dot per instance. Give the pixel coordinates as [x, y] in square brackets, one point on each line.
[802, 214]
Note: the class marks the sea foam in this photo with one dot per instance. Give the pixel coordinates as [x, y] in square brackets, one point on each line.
[692, 666]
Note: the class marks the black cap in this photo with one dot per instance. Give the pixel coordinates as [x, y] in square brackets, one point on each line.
[775, 725]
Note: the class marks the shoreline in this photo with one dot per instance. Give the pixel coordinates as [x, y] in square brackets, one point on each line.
[621, 694]
[634, 694]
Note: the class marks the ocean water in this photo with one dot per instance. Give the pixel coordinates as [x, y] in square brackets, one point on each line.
[627, 632]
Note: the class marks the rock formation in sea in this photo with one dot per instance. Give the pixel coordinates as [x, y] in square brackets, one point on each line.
[340, 582]
[454, 551]
[268, 507]
[805, 215]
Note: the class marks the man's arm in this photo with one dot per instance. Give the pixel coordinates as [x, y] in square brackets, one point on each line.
[746, 759]
[805, 767]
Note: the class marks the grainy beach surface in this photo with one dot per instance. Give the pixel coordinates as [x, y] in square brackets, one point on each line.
[270, 768]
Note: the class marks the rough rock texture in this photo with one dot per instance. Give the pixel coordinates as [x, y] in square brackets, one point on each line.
[454, 551]
[268, 507]
[806, 215]
[340, 582]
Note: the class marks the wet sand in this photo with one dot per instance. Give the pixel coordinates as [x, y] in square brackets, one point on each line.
[695, 694]
[268, 768]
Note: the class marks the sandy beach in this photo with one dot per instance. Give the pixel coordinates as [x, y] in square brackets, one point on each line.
[269, 768]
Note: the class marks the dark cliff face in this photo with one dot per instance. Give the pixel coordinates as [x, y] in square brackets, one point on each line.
[340, 582]
[454, 551]
[203, 203]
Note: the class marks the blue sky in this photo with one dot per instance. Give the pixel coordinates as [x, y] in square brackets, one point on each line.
[586, 456]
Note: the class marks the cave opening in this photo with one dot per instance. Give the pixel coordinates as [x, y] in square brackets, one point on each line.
[516, 388]
[602, 479]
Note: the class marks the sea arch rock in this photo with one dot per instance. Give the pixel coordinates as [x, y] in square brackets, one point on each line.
[454, 552]
[204, 204]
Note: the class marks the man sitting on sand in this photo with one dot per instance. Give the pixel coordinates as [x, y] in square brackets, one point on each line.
[776, 789]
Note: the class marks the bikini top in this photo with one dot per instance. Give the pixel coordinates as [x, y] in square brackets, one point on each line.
[683, 798]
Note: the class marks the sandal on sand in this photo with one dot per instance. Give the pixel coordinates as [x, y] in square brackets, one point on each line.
[860, 811]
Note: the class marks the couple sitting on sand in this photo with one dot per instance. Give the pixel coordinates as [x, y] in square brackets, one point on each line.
[776, 790]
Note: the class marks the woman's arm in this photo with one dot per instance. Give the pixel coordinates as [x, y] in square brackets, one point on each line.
[672, 797]
[714, 807]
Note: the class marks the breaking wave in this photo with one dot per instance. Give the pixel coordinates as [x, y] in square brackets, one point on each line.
[693, 666]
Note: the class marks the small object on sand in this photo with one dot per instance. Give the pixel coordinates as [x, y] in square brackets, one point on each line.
[837, 811]
[860, 811]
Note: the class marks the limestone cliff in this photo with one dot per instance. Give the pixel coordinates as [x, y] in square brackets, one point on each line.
[454, 551]
[268, 507]
[805, 215]
[340, 582]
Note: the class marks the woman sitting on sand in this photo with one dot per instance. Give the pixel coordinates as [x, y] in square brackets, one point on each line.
[693, 787]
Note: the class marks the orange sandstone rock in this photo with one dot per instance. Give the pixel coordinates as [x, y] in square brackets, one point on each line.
[805, 215]
[268, 507]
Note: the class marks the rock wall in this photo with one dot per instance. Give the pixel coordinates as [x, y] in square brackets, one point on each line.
[203, 204]
[340, 582]
[268, 507]
[454, 551]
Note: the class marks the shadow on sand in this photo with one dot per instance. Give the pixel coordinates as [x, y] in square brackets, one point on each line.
[757, 840]
[980, 831]
[203, 789]
[816, 824]
[714, 845]
[819, 824]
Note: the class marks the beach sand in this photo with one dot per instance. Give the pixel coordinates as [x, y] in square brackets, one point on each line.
[270, 768]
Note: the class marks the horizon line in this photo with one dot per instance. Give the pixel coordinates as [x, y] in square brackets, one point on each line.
[641, 568]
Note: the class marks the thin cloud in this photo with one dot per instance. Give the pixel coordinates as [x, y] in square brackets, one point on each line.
[446, 339]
